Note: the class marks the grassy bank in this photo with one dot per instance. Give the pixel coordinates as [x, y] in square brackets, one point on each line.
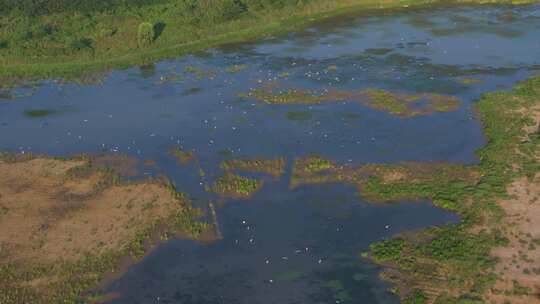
[70, 38]
[490, 256]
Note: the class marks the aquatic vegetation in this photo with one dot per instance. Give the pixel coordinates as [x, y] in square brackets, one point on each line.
[298, 115]
[274, 167]
[272, 94]
[315, 164]
[461, 257]
[352, 116]
[289, 276]
[378, 52]
[185, 157]
[312, 164]
[236, 68]
[224, 152]
[340, 293]
[331, 69]
[284, 74]
[5, 95]
[192, 91]
[38, 113]
[383, 100]
[399, 104]
[387, 250]
[403, 105]
[199, 73]
[384, 182]
[421, 22]
[172, 78]
[80, 225]
[235, 186]
[469, 80]
[314, 169]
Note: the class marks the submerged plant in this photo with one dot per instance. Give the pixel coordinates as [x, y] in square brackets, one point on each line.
[38, 113]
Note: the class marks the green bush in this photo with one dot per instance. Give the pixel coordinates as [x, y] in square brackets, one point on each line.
[84, 44]
[145, 34]
[389, 250]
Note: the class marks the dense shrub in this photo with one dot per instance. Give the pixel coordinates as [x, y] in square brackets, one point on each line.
[145, 34]
[44, 7]
[84, 44]
[229, 8]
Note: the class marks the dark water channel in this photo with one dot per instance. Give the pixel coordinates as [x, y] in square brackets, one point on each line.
[300, 245]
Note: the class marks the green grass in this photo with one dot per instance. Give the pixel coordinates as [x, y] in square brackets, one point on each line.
[60, 38]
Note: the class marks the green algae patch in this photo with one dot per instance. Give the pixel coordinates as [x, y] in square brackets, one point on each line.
[200, 73]
[39, 113]
[340, 294]
[274, 167]
[404, 105]
[235, 186]
[298, 115]
[469, 80]
[236, 68]
[331, 69]
[192, 91]
[289, 276]
[378, 52]
[272, 93]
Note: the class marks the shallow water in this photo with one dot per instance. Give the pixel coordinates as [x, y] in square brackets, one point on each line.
[194, 102]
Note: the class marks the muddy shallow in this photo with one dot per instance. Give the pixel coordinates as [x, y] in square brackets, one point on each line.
[198, 102]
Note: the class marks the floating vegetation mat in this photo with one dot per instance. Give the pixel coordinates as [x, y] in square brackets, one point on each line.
[273, 167]
[399, 104]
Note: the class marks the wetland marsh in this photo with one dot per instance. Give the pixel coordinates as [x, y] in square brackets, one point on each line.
[298, 160]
